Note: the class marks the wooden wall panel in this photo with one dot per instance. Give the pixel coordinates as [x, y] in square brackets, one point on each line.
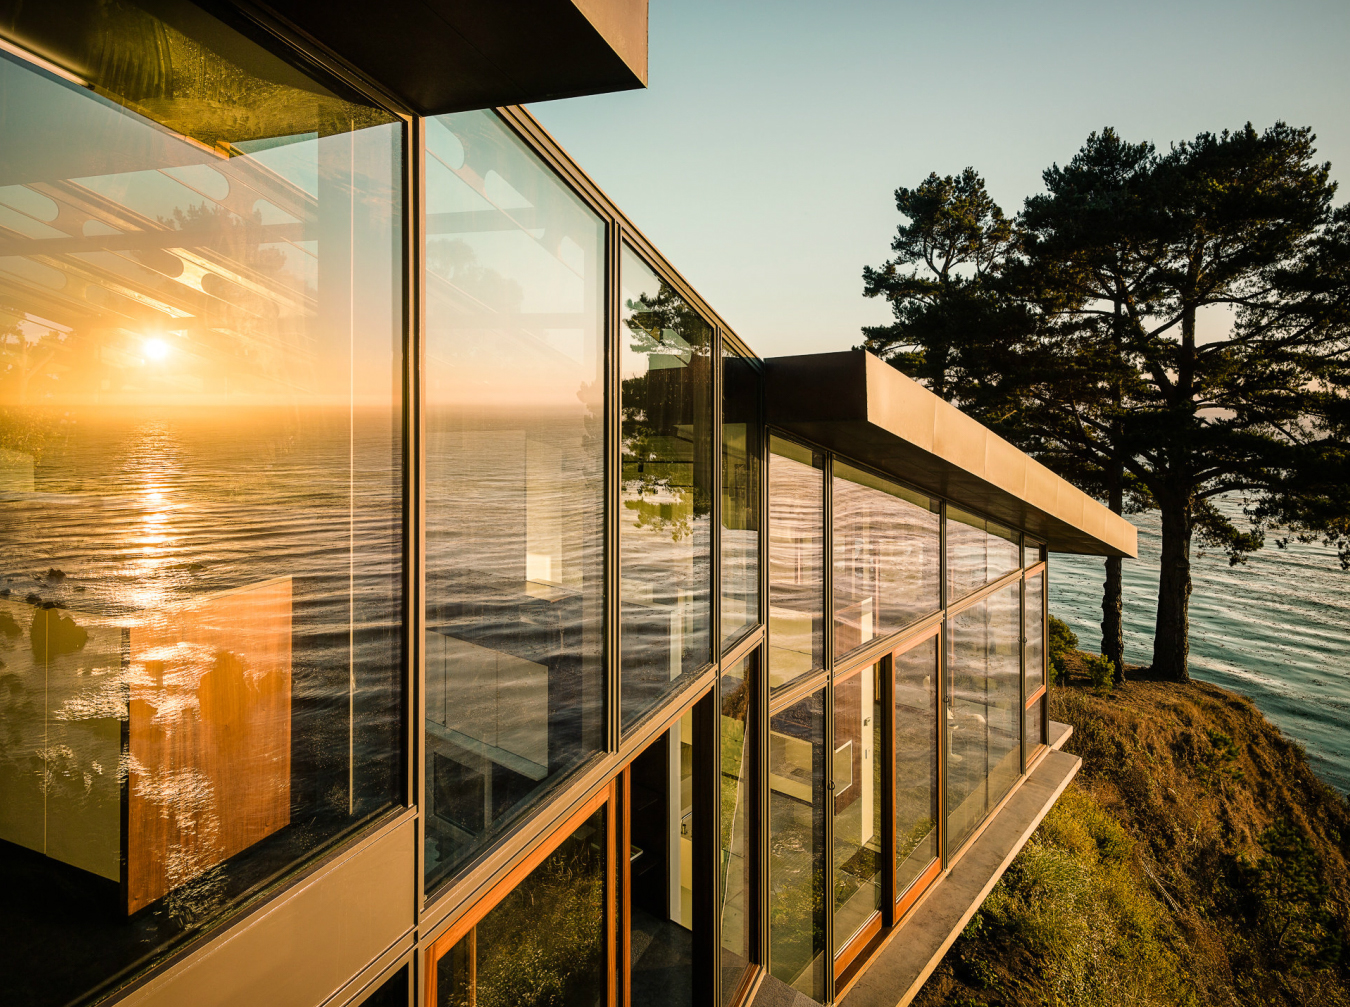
[210, 736]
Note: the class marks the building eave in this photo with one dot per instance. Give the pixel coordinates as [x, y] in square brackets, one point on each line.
[856, 404]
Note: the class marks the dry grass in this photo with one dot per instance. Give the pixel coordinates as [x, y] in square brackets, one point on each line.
[1196, 859]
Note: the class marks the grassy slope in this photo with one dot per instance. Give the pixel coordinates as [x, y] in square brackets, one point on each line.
[1196, 860]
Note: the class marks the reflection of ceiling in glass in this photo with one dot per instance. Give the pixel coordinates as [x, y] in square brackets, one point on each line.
[174, 63]
[142, 263]
[514, 272]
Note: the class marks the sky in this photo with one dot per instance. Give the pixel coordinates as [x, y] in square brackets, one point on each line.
[763, 156]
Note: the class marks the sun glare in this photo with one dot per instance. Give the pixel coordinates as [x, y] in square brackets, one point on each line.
[155, 349]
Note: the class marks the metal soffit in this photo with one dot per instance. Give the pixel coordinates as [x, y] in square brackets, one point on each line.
[438, 56]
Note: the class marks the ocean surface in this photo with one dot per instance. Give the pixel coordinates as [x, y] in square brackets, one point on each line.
[1275, 629]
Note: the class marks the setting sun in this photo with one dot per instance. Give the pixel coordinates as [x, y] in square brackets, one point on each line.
[155, 349]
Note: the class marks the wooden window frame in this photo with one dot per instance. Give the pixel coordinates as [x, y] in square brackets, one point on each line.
[466, 925]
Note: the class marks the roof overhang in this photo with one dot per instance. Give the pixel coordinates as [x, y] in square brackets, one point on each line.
[447, 56]
[858, 405]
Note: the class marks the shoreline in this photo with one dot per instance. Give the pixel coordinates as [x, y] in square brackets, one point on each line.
[1272, 629]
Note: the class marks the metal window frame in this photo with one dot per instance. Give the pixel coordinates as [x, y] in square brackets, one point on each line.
[932, 626]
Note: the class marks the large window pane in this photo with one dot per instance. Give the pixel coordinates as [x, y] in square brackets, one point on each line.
[916, 762]
[797, 778]
[741, 453]
[984, 727]
[514, 465]
[666, 492]
[857, 771]
[978, 551]
[661, 870]
[796, 561]
[887, 562]
[1004, 698]
[544, 944]
[1034, 726]
[200, 486]
[1034, 630]
[738, 861]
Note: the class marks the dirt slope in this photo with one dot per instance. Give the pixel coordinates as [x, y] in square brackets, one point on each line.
[1195, 860]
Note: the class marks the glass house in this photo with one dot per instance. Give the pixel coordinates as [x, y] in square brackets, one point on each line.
[413, 592]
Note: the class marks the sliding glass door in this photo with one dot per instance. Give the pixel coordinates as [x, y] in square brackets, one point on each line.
[916, 769]
[857, 807]
[984, 720]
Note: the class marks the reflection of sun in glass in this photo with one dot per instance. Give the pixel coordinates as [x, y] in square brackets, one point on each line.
[155, 349]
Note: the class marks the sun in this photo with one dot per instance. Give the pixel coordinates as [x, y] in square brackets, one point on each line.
[155, 349]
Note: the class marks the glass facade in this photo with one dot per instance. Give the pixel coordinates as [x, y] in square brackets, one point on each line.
[886, 556]
[979, 552]
[797, 806]
[666, 486]
[276, 591]
[1033, 622]
[984, 722]
[514, 450]
[543, 944]
[742, 454]
[916, 762]
[738, 904]
[201, 485]
[858, 780]
[660, 904]
[796, 561]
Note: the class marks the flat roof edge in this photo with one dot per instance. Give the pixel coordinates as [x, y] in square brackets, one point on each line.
[856, 404]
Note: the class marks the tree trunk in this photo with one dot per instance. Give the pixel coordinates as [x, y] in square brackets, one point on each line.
[1171, 635]
[1113, 631]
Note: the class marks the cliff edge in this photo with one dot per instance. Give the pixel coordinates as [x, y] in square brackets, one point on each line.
[1196, 860]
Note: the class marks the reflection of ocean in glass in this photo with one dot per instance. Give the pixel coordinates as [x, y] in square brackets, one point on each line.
[163, 557]
[1273, 629]
[984, 719]
[200, 487]
[514, 441]
[796, 574]
[513, 559]
[886, 557]
[134, 519]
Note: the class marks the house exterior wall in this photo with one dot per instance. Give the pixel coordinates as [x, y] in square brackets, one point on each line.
[402, 573]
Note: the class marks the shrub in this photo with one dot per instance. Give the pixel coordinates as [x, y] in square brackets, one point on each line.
[1062, 641]
[1101, 671]
[1290, 899]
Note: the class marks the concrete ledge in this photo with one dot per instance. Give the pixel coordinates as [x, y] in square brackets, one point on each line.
[914, 948]
[1059, 733]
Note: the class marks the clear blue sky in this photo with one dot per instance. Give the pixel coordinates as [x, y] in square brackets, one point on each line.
[763, 156]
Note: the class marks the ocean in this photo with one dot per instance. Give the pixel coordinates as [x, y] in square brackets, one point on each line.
[1275, 629]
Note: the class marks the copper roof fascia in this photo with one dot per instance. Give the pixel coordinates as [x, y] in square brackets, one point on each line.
[857, 405]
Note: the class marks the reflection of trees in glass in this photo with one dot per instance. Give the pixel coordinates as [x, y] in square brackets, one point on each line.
[543, 945]
[735, 707]
[909, 842]
[146, 63]
[675, 340]
[238, 238]
[456, 262]
[23, 360]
